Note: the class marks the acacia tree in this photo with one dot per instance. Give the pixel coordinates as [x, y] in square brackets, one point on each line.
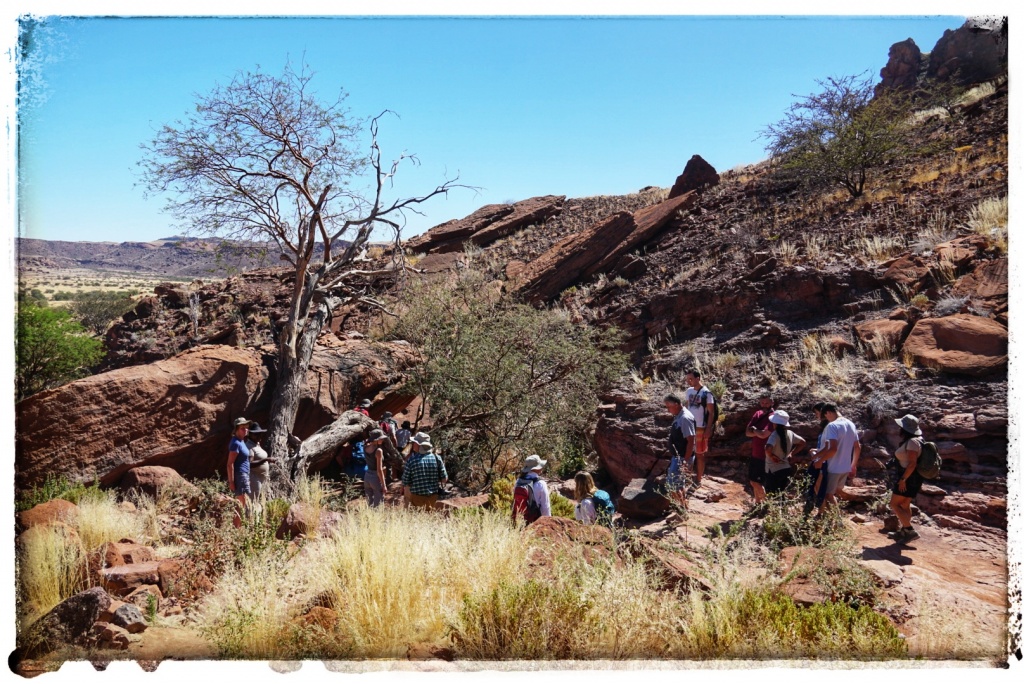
[263, 159]
[502, 379]
[840, 134]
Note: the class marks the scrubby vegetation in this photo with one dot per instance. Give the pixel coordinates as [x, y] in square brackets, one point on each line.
[51, 348]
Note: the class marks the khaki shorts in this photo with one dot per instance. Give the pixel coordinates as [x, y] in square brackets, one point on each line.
[419, 501]
[836, 481]
[703, 434]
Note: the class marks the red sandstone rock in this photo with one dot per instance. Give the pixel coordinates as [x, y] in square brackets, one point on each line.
[298, 522]
[959, 344]
[903, 67]
[987, 285]
[880, 338]
[178, 412]
[124, 579]
[597, 249]
[698, 175]
[479, 501]
[152, 479]
[55, 510]
[487, 224]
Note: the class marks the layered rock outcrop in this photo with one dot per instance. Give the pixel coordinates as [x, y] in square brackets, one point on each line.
[596, 249]
[487, 224]
[903, 68]
[977, 51]
[961, 344]
[178, 412]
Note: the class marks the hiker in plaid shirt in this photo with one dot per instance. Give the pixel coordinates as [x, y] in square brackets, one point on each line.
[424, 473]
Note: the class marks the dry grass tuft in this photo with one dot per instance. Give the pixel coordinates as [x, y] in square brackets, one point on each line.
[100, 520]
[990, 218]
[51, 568]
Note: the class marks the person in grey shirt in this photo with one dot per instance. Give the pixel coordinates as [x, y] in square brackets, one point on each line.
[259, 460]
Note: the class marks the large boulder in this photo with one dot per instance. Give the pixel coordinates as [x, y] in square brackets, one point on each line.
[178, 412]
[961, 344]
[596, 249]
[631, 439]
[698, 175]
[299, 521]
[122, 580]
[977, 51]
[987, 286]
[153, 479]
[68, 622]
[644, 499]
[881, 338]
[54, 510]
[487, 224]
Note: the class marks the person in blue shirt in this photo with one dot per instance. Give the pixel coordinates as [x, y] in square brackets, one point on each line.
[238, 466]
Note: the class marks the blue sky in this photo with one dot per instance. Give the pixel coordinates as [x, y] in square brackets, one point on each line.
[518, 107]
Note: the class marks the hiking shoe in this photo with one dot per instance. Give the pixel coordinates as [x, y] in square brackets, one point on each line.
[909, 535]
[898, 535]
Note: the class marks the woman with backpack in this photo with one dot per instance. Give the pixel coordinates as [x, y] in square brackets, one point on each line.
[781, 445]
[905, 479]
[592, 504]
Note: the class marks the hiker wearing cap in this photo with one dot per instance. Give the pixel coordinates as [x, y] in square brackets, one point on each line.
[759, 429]
[259, 460]
[530, 496]
[681, 442]
[841, 450]
[238, 465]
[905, 480]
[424, 473]
[373, 478]
[779, 447]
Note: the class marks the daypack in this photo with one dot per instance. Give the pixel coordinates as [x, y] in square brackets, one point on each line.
[710, 421]
[524, 502]
[604, 507]
[929, 462]
[390, 428]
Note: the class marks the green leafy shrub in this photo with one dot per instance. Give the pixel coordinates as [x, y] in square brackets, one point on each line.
[58, 487]
[51, 348]
[562, 507]
[573, 460]
[528, 620]
[96, 310]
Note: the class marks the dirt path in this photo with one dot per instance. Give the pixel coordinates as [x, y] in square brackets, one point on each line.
[946, 592]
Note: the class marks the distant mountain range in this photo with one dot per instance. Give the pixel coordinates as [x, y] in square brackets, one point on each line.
[176, 256]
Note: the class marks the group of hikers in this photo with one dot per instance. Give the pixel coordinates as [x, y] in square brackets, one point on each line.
[775, 450]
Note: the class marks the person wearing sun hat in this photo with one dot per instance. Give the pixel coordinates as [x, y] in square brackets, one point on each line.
[424, 473]
[259, 460]
[238, 465]
[373, 478]
[905, 480]
[782, 443]
[531, 478]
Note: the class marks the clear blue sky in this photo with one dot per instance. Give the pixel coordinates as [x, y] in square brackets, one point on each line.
[519, 107]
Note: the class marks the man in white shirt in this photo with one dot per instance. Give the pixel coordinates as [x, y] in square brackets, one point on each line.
[842, 451]
[701, 403]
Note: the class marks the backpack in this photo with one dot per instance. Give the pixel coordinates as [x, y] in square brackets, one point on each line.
[604, 507]
[524, 502]
[710, 421]
[929, 462]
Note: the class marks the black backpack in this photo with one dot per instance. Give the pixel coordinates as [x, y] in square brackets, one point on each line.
[929, 462]
[710, 421]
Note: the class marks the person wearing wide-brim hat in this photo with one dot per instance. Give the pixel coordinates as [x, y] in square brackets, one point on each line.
[373, 478]
[530, 477]
[779, 447]
[238, 465]
[424, 473]
[905, 481]
[259, 460]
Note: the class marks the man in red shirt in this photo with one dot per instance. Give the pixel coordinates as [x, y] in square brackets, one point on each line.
[759, 429]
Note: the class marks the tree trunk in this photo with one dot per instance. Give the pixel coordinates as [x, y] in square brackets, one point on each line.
[292, 366]
[315, 451]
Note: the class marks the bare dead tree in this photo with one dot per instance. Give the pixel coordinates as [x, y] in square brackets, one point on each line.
[262, 159]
